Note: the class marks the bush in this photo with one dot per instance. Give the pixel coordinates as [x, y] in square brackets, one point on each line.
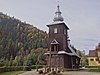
[33, 66]
[38, 66]
[94, 70]
[92, 66]
[27, 68]
[40, 71]
[18, 68]
[11, 68]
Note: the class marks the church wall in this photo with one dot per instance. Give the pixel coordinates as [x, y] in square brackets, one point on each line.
[59, 36]
[67, 61]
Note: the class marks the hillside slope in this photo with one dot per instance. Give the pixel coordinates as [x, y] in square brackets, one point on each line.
[18, 38]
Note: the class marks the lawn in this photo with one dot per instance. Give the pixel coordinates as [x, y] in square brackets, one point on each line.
[94, 69]
[12, 73]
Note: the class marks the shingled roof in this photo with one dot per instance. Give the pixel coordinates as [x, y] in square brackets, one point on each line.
[92, 52]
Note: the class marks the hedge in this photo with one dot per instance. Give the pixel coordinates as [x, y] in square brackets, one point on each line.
[38, 66]
[92, 66]
[11, 68]
[94, 70]
[19, 68]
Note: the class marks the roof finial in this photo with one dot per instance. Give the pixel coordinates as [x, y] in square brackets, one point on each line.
[58, 16]
[58, 2]
[58, 7]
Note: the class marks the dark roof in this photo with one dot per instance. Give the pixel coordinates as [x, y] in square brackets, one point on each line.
[58, 23]
[92, 52]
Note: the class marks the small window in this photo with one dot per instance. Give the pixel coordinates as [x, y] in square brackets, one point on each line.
[96, 59]
[55, 30]
[91, 59]
[64, 31]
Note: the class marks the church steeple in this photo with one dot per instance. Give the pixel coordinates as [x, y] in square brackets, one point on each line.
[58, 16]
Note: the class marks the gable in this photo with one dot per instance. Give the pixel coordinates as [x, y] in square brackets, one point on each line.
[54, 41]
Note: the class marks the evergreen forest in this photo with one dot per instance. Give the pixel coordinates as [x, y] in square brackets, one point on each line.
[21, 43]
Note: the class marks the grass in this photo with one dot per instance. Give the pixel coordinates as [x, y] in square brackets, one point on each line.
[94, 70]
[12, 73]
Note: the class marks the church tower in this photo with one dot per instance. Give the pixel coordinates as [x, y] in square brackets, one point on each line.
[59, 53]
[58, 33]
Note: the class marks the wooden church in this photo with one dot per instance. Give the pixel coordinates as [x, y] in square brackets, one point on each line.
[60, 54]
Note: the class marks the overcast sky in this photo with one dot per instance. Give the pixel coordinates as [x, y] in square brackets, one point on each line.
[81, 16]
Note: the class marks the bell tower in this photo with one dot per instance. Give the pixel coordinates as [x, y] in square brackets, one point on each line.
[58, 41]
[60, 54]
[58, 33]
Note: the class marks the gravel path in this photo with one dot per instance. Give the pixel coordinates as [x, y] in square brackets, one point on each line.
[80, 73]
[33, 72]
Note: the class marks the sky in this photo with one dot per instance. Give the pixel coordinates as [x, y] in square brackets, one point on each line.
[81, 16]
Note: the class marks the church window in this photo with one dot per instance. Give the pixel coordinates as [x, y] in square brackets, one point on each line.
[55, 30]
[64, 31]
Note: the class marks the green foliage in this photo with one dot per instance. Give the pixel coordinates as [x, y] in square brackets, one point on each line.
[2, 62]
[12, 73]
[39, 66]
[19, 42]
[27, 68]
[18, 68]
[83, 60]
[11, 68]
[94, 69]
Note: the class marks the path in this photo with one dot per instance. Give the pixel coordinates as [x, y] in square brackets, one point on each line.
[80, 73]
[33, 72]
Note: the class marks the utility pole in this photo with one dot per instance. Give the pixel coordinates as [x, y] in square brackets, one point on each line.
[50, 60]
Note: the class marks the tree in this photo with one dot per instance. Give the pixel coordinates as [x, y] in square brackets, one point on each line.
[2, 62]
[83, 57]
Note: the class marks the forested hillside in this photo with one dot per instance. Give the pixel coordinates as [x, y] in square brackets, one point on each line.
[19, 41]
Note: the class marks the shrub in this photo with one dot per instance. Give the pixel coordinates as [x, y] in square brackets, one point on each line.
[37, 66]
[94, 70]
[18, 68]
[33, 66]
[27, 68]
[11, 68]
[40, 66]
